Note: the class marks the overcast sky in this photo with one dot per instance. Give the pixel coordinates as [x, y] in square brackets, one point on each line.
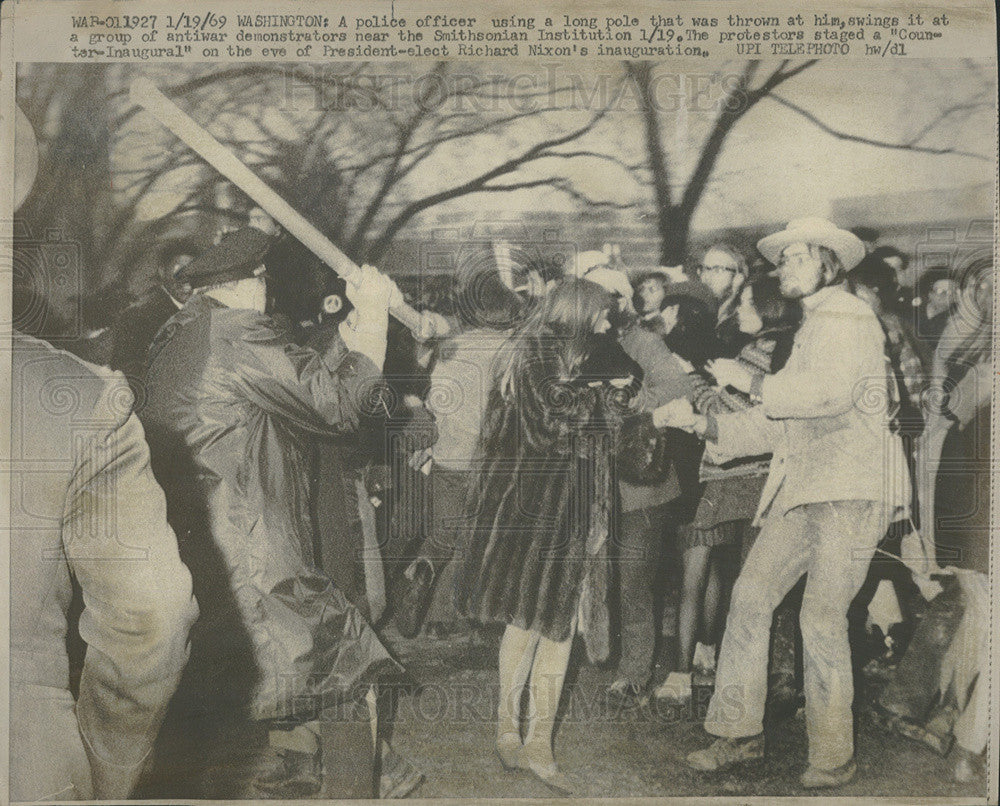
[777, 165]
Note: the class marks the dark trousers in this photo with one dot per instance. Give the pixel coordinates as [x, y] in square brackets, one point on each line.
[350, 767]
[642, 539]
[448, 525]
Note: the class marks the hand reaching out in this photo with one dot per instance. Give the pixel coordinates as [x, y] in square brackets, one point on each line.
[728, 372]
[677, 413]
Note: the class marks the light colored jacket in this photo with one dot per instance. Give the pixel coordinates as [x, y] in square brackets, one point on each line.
[826, 415]
[84, 505]
[460, 387]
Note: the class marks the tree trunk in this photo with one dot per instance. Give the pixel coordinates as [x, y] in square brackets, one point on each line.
[674, 226]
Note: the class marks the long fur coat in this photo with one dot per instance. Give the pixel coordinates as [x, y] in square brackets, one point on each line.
[536, 553]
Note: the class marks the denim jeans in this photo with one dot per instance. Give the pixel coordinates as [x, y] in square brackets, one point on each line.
[833, 542]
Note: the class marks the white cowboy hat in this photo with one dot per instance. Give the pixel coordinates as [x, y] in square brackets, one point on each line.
[846, 245]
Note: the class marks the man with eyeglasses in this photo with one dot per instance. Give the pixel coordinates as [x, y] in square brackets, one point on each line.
[837, 478]
[723, 271]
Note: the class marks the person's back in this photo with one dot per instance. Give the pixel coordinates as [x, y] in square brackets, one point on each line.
[86, 507]
[460, 386]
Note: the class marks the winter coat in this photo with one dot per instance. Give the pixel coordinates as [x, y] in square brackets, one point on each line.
[664, 379]
[85, 507]
[234, 407]
[826, 415]
[535, 554]
[133, 331]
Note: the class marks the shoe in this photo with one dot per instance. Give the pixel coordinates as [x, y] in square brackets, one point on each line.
[625, 693]
[417, 585]
[919, 733]
[704, 658]
[290, 775]
[816, 778]
[548, 773]
[677, 687]
[508, 749]
[399, 778]
[723, 753]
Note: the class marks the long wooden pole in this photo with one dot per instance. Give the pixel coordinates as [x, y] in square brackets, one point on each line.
[145, 94]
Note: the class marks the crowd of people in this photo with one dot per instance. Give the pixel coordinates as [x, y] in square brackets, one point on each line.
[527, 457]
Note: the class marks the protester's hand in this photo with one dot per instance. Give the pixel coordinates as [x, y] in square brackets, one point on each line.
[728, 372]
[677, 413]
[432, 326]
[622, 383]
[929, 588]
[686, 365]
[918, 558]
[425, 330]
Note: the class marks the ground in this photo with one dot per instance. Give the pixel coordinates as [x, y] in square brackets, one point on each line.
[446, 728]
[445, 725]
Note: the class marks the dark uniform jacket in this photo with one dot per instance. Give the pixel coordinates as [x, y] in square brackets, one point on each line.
[234, 407]
[132, 333]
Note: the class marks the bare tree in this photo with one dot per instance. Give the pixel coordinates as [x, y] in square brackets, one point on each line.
[673, 213]
[933, 134]
[391, 146]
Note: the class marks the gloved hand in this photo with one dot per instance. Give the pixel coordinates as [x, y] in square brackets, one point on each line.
[372, 294]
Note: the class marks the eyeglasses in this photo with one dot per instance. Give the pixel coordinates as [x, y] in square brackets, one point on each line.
[796, 259]
[717, 268]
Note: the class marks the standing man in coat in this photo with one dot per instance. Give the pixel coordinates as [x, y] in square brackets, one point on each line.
[837, 479]
[85, 507]
[234, 407]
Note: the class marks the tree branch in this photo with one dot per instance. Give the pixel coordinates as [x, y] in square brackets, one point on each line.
[538, 151]
[855, 138]
[731, 112]
[561, 185]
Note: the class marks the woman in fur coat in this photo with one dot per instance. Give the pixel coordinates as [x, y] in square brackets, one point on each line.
[535, 551]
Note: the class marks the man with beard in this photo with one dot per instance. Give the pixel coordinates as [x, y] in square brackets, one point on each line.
[837, 478]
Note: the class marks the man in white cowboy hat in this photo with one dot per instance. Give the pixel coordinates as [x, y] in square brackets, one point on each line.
[837, 478]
